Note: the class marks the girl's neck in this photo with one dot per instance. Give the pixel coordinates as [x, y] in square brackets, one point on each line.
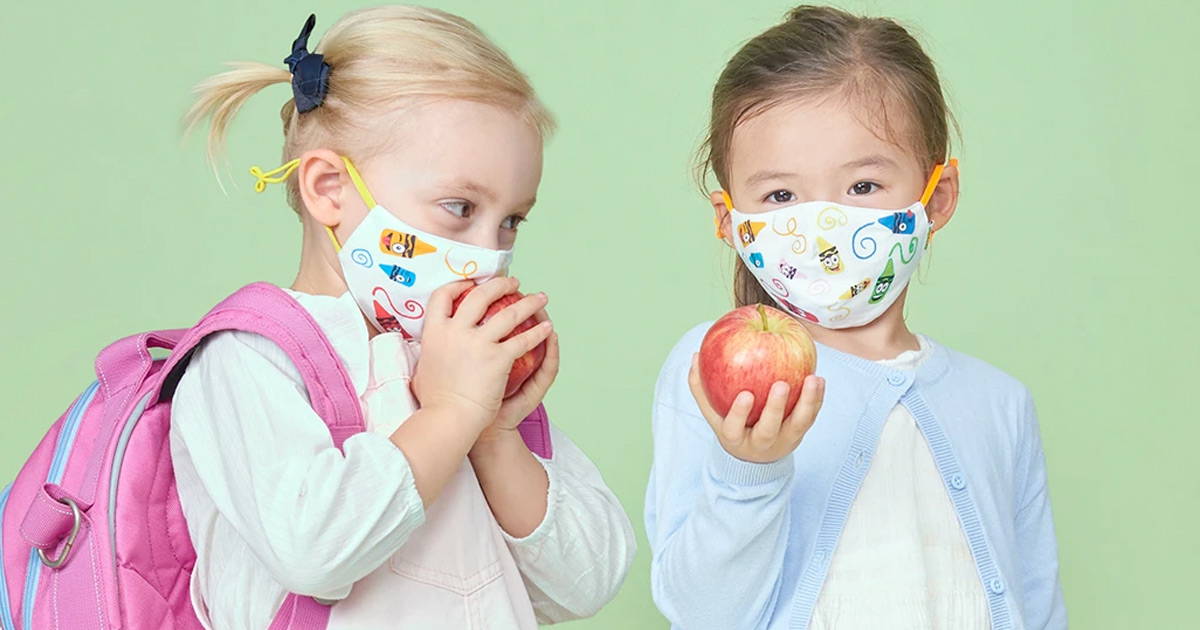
[885, 338]
[320, 271]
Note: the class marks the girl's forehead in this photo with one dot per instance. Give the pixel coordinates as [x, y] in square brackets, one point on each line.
[818, 136]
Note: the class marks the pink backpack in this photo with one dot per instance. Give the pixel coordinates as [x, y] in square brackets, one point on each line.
[91, 532]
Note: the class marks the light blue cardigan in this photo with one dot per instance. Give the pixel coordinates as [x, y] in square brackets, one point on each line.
[746, 546]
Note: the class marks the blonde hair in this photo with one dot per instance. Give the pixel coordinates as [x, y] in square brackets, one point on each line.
[380, 59]
[818, 51]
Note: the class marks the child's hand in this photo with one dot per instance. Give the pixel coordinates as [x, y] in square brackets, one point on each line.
[773, 436]
[518, 406]
[463, 365]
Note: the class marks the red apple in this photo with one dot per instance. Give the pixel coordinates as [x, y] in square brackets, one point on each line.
[526, 364]
[750, 349]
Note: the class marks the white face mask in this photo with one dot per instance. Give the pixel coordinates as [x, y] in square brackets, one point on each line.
[390, 267]
[834, 265]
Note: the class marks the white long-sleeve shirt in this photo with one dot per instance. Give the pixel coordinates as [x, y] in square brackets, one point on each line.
[272, 506]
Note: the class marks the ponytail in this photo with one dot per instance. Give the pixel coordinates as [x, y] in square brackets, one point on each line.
[219, 98]
[379, 60]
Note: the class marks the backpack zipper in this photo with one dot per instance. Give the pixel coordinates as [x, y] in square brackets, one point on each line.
[59, 462]
[6, 621]
[118, 458]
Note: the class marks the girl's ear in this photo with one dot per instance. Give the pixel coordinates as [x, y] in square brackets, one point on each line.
[324, 182]
[944, 200]
[720, 203]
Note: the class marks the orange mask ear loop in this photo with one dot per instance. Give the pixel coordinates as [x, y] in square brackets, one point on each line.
[717, 220]
[935, 178]
[932, 186]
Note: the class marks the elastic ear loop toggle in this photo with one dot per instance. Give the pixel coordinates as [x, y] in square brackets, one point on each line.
[280, 175]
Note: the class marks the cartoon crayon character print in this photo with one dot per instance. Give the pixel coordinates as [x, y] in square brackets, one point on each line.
[756, 259]
[883, 283]
[748, 230]
[399, 274]
[797, 311]
[830, 258]
[389, 322]
[787, 270]
[900, 222]
[856, 289]
[403, 245]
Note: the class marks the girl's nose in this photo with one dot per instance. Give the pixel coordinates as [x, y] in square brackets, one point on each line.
[485, 235]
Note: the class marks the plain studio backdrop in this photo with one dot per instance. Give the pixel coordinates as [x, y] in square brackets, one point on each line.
[1070, 264]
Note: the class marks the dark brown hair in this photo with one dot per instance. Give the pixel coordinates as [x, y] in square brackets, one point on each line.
[821, 51]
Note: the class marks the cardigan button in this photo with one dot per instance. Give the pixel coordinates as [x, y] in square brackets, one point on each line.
[957, 482]
[897, 380]
[996, 586]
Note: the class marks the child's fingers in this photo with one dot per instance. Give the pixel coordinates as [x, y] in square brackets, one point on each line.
[503, 323]
[544, 377]
[802, 417]
[764, 433]
[441, 301]
[475, 305]
[527, 340]
[733, 429]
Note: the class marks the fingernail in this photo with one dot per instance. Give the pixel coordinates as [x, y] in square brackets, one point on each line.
[547, 324]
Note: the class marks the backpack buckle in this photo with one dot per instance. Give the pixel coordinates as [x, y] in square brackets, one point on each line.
[66, 550]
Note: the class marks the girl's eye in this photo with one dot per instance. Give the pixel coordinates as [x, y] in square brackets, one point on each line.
[512, 222]
[460, 209]
[864, 188]
[781, 196]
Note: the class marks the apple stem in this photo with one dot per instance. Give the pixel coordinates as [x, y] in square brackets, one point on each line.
[762, 312]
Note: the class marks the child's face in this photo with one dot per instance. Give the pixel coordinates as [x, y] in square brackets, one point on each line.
[461, 170]
[807, 150]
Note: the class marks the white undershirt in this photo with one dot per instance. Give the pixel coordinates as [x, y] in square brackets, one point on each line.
[902, 562]
[272, 506]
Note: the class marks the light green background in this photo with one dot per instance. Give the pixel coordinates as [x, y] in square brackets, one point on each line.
[1070, 264]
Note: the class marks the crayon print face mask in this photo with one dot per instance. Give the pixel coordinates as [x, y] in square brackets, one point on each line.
[391, 267]
[834, 265]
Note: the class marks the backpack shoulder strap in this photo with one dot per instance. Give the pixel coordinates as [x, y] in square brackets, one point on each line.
[535, 430]
[266, 310]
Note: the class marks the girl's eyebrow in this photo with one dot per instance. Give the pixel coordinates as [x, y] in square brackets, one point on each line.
[870, 160]
[471, 186]
[766, 176]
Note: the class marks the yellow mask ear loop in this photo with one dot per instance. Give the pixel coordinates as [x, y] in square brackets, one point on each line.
[280, 175]
[358, 184]
[277, 176]
[935, 178]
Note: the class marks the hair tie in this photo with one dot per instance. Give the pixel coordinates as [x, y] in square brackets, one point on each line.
[310, 73]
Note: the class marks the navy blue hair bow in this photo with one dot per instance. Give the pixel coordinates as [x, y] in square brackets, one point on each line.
[310, 73]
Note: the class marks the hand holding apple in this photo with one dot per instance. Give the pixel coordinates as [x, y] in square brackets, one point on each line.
[526, 364]
[465, 366]
[750, 349]
[753, 382]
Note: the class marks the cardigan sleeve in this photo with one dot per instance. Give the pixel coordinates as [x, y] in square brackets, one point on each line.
[718, 526]
[1037, 545]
